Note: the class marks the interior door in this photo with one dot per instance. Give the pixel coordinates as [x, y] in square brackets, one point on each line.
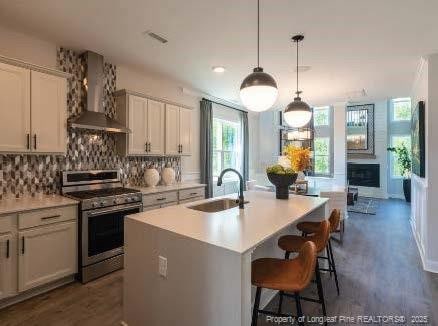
[14, 108]
[185, 131]
[172, 130]
[8, 265]
[137, 123]
[48, 113]
[46, 254]
[155, 127]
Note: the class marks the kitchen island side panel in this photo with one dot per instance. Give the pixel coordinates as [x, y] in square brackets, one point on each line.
[203, 284]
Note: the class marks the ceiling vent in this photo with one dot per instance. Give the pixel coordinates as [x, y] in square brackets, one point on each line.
[156, 37]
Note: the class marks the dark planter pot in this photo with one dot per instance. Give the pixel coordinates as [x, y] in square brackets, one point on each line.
[282, 182]
[407, 189]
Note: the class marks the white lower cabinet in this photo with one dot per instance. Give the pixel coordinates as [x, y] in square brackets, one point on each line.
[8, 265]
[46, 253]
[170, 198]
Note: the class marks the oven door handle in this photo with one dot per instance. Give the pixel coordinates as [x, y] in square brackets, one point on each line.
[113, 210]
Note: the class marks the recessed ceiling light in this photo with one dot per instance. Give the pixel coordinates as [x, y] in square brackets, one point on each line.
[218, 69]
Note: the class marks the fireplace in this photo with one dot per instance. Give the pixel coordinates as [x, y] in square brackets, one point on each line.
[365, 175]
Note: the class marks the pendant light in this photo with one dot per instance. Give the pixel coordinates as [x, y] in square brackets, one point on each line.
[258, 91]
[297, 113]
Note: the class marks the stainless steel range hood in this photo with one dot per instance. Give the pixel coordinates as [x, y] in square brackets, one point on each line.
[94, 117]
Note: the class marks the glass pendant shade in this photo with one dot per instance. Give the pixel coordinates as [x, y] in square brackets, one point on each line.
[297, 113]
[258, 91]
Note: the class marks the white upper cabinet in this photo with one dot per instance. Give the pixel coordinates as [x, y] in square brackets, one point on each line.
[33, 107]
[178, 130]
[49, 113]
[172, 130]
[185, 131]
[14, 108]
[145, 119]
[137, 123]
[155, 127]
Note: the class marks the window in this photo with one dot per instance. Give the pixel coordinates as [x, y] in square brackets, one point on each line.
[321, 116]
[401, 109]
[226, 146]
[323, 141]
[322, 155]
[398, 141]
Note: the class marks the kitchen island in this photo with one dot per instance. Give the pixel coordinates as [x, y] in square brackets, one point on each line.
[191, 267]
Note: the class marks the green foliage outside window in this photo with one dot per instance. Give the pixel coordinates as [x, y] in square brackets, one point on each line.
[321, 116]
[225, 145]
[402, 110]
[322, 155]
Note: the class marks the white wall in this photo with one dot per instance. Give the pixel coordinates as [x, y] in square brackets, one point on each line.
[425, 190]
[380, 148]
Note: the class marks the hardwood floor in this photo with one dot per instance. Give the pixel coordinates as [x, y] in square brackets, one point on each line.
[379, 270]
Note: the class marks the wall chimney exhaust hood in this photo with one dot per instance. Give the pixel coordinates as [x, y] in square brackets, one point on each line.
[94, 118]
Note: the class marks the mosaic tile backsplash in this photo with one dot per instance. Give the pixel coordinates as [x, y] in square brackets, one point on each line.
[86, 150]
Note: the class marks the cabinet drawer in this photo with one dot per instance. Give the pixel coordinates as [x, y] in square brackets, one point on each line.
[191, 193]
[47, 216]
[159, 199]
[190, 200]
[8, 223]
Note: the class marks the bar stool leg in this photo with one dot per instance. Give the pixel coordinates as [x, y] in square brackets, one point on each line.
[255, 309]
[333, 264]
[329, 260]
[280, 303]
[320, 289]
[298, 305]
[286, 255]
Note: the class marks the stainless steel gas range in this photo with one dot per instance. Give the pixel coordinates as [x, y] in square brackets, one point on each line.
[104, 203]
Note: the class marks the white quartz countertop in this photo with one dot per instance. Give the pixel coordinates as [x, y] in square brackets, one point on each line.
[233, 229]
[28, 203]
[174, 187]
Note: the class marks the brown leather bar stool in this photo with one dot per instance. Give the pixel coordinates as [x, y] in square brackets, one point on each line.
[311, 227]
[293, 243]
[292, 275]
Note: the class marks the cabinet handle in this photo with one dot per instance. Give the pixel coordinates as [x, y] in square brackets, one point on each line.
[28, 141]
[193, 193]
[161, 199]
[146, 146]
[149, 146]
[181, 149]
[49, 217]
[7, 248]
[22, 245]
[35, 141]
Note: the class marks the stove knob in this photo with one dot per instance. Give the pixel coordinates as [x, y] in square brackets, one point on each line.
[94, 204]
[102, 203]
[127, 199]
[115, 201]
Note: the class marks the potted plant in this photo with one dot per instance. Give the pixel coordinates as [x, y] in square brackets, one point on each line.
[282, 178]
[404, 164]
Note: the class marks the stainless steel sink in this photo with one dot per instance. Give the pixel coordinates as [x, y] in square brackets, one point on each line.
[216, 205]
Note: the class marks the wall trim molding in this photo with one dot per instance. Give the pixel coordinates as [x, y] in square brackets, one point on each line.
[428, 265]
[31, 66]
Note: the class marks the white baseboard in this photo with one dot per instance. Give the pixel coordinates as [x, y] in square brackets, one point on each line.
[37, 291]
[428, 265]
[396, 196]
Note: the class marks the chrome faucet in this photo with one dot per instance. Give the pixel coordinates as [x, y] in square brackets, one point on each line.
[241, 200]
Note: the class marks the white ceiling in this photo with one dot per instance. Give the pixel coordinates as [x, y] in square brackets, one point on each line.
[350, 45]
